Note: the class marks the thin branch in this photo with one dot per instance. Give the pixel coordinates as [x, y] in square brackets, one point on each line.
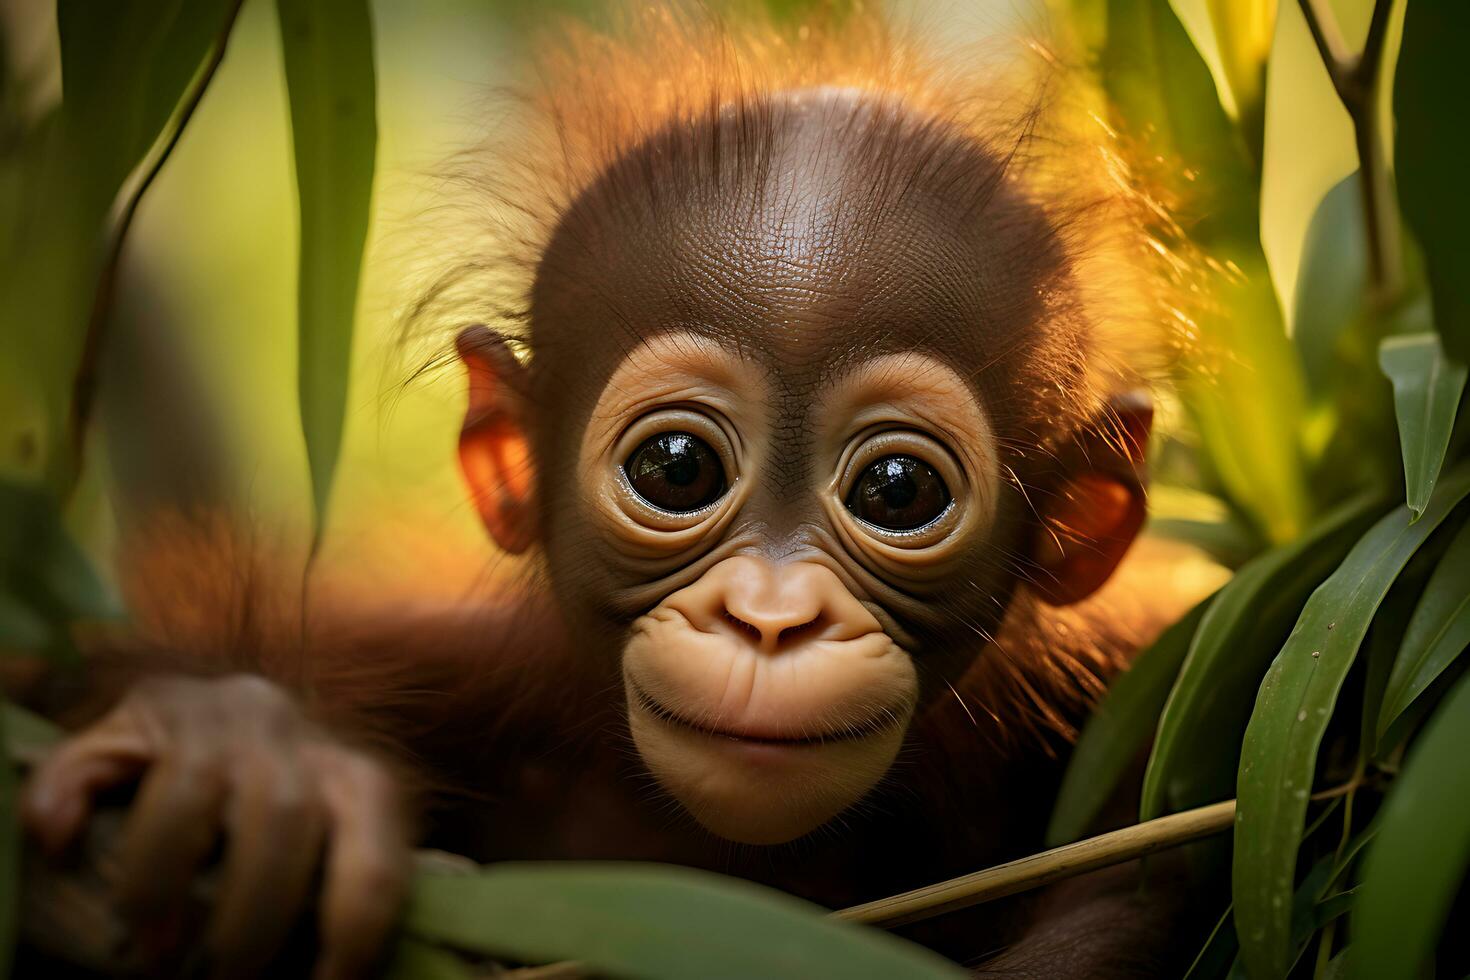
[1055, 865]
[84, 385]
[1044, 868]
[1371, 61]
[1356, 79]
[1336, 55]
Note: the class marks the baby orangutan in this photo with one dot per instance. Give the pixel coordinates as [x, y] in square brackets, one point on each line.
[833, 362]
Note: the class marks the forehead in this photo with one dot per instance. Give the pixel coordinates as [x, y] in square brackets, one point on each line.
[806, 232]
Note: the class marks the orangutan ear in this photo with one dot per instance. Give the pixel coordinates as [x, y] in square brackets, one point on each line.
[494, 448]
[1093, 515]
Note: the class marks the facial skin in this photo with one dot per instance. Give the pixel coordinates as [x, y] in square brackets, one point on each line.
[774, 410]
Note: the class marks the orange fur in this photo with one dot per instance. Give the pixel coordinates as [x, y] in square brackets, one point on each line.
[597, 94]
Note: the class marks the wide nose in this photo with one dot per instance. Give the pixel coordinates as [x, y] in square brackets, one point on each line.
[775, 606]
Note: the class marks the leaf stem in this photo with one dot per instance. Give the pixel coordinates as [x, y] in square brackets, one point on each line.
[1357, 79]
[84, 384]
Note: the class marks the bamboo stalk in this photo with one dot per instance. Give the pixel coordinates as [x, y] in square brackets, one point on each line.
[1044, 868]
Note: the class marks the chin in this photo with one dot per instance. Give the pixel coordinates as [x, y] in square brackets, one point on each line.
[761, 790]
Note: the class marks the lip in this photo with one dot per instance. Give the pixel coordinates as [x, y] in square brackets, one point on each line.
[851, 733]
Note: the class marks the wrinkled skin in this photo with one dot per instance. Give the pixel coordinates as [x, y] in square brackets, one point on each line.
[809, 287]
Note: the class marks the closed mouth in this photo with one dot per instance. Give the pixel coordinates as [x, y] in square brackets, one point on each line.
[863, 729]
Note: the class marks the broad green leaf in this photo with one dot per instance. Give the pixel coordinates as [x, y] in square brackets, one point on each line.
[1426, 393]
[125, 64]
[1419, 859]
[1196, 749]
[1381, 647]
[1438, 632]
[1118, 729]
[1312, 907]
[415, 960]
[1244, 29]
[654, 922]
[1303, 907]
[1247, 397]
[9, 853]
[1332, 283]
[1295, 703]
[1430, 83]
[328, 50]
[125, 67]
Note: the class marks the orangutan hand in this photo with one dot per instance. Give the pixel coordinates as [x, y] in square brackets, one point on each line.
[235, 761]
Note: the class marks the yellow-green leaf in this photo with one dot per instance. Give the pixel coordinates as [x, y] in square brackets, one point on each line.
[1426, 392]
[1295, 704]
[328, 51]
[1244, 29]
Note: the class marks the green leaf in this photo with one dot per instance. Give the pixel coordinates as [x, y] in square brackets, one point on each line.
[125, 66]
[1244, 29]
[1118, 729]
[1196, 750]
[1332, 285]
[1414, 869]
[415, 960]
[1426, 394]
[1296, 701]
[1162, 90]
[654, 922]
[26, 732]
[43, 572]
[1304, 903]
[1438, 632]
[21, 627]
[1311, 906]
[1430, 83]
[328, 50]
[1247, 397]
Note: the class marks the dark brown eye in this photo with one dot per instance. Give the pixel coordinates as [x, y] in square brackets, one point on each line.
[898, 493]
[676, 471]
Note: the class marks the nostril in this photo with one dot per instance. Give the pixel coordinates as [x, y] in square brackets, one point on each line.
[793, 633]
[750, 630]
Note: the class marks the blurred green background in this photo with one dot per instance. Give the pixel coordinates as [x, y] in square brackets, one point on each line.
[213, 252]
